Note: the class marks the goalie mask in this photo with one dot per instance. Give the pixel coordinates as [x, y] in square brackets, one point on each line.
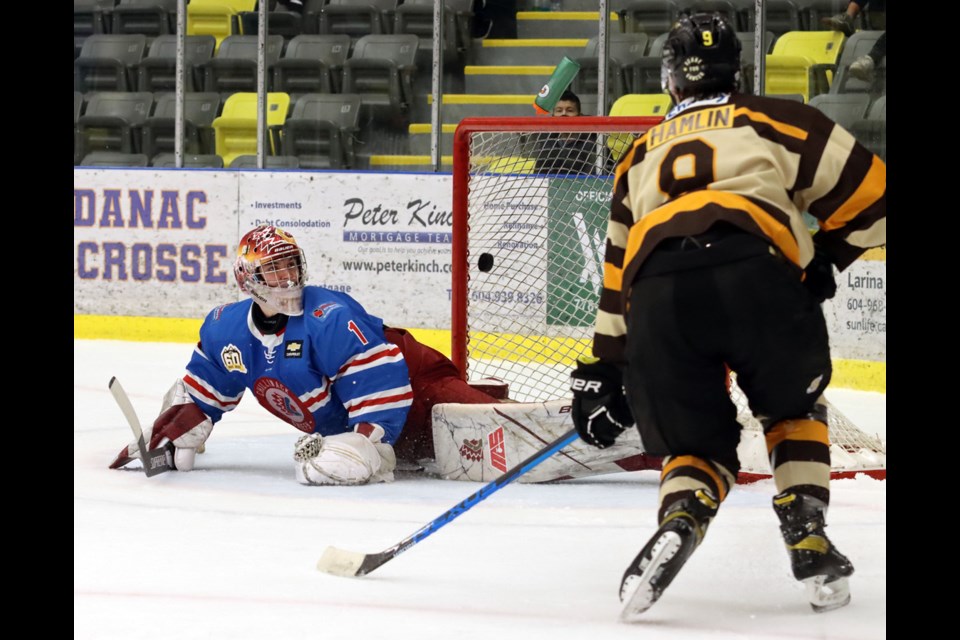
[701, 57]
[271, 268]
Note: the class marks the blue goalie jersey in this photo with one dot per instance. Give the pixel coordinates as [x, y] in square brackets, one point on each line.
[326, 371]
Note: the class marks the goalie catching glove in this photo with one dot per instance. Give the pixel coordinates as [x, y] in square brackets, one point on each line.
[600, 410]
[345, 458]
[180, 422]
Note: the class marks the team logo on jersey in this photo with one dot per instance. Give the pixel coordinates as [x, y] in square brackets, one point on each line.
[693, 69]
[283, 403]
[472, 450]
[498, 452]
[232, 358]
[293, 349]
[324, 308]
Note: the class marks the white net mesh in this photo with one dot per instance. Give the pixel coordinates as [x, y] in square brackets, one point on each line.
[534, 253]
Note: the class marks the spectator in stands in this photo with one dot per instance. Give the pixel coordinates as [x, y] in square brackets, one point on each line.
[568, 105]
[844, 22]
[864, 67]
[568, 152]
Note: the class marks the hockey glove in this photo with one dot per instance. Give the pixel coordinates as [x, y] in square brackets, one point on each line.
[600, 410]
[818, 276]
[180, 422]
[345, 458]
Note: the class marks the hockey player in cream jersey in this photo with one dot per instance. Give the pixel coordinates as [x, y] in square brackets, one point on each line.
[709, 267]
[317, 360]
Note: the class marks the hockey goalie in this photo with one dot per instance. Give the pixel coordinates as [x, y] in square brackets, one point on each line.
[362, 393]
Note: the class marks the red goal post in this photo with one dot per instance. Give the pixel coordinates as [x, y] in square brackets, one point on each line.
[530, 205]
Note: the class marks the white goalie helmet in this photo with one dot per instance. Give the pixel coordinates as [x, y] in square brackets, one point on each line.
[272, 269]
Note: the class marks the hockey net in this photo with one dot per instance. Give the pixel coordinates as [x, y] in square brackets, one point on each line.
[528, 241]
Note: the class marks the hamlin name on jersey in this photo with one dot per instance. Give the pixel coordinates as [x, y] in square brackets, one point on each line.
[326, 371]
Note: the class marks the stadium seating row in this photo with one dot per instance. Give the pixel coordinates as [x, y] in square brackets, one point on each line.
[392, 89]
[318, 129]
[361, 17]
[381, 68]
[190, 161]
[223, 18]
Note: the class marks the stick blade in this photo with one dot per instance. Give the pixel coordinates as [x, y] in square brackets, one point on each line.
[340, 562]
[155, 461]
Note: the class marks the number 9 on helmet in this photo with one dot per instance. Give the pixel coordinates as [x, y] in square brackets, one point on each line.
[272, 269]
[701, 57]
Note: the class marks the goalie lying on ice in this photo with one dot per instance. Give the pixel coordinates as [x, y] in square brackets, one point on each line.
[362, 393]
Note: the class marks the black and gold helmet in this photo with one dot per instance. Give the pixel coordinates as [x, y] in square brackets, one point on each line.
[701, 56]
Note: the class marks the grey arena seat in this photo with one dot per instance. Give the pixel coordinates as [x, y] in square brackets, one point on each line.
[647, 16]
[623, 50]
[90, 17]
[280, 22]
[416, 17]
[157, 71]
[111, 121]
[149, 17]
[311, 63]
[842, 108]
[356, 18]
[321, 130]
[200, 108]
[108, 62]
[381, 69]
[234, 66]
[857, 45]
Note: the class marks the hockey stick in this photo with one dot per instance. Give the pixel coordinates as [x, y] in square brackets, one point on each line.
[351, 563]
[154, 461]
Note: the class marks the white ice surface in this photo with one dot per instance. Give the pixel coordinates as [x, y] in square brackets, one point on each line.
[229, 550]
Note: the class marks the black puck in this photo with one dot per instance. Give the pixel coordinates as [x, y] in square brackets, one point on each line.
[485, 262]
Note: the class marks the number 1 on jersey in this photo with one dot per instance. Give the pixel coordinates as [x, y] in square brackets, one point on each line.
[355, 330]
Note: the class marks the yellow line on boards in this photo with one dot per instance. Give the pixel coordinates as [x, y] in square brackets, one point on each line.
[863, 375]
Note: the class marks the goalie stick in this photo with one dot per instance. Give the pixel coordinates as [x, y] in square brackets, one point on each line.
[351, 563]
[155, 461]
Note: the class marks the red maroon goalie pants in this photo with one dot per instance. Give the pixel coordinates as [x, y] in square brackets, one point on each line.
[435, 380]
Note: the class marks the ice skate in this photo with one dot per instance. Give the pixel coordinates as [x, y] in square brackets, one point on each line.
[816, 562]
[658, 563]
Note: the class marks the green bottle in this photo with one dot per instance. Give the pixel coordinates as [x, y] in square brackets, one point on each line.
[550, 93]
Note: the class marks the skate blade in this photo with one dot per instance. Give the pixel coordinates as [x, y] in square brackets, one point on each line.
[637, 593]
[827, 596]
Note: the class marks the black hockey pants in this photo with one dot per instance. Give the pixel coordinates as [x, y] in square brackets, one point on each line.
[751, 313]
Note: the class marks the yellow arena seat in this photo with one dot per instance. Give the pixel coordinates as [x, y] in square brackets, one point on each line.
[641, 104]
[635, 104]
[235, 130]
[218, 18]
[821, 47]
[790, 75]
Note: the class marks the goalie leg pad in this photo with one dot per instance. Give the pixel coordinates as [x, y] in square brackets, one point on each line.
[342, 459]
[481, 442]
